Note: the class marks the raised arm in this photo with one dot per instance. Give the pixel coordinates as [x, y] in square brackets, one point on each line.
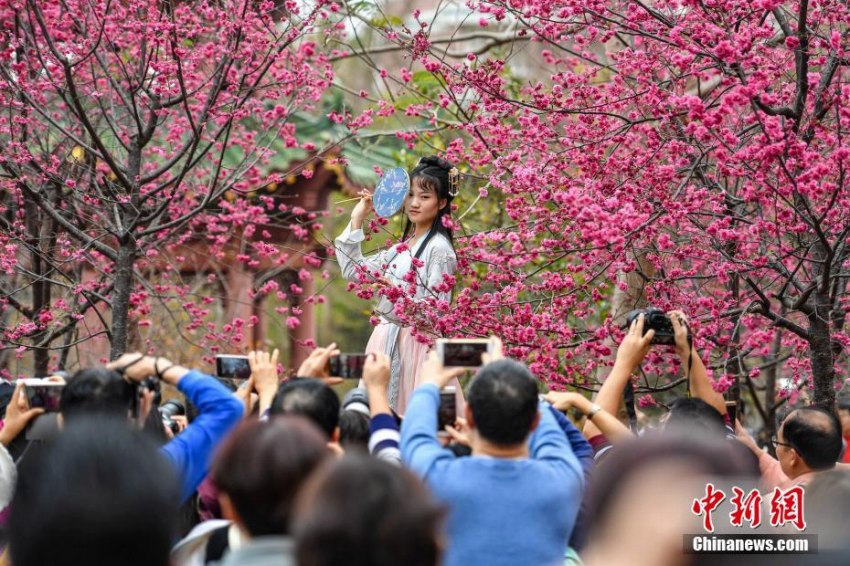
[218, 412]
[770, 468]
[349, 253]
[383, 428]
[549, 442]
[420, 448]
[579, 445]
[700, 385]
[18, 416]
[265, 378]
[605, 422]
[630, 354]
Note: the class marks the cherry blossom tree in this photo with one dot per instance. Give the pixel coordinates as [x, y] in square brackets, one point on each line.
[673, 153]
[616, 154]
[124, 127]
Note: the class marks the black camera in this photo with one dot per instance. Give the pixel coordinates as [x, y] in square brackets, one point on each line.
[657, 320]
[447, 411]
[171, 409]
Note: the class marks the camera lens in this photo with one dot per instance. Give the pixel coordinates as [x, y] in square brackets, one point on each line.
[170, 409]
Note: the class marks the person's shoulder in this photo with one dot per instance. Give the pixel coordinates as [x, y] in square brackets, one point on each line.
[196, 541]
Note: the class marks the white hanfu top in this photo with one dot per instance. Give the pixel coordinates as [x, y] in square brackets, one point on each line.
[439, 259]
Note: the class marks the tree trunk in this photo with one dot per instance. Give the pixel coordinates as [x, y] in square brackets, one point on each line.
[820, 352]
[771, 376]
[41, 286]
[126, 257]
[121, 296]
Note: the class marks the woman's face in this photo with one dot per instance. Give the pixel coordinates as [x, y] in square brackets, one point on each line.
[422, 204]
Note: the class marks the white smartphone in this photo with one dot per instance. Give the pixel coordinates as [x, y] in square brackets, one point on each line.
[232, 367]
[43, 393]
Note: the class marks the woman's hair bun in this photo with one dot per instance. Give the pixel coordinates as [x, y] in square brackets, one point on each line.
[435, 161]
[449, 189]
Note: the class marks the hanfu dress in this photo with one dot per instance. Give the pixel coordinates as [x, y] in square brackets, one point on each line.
[405, 352]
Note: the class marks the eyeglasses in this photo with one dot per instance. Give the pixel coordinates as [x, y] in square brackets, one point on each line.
[776, 443]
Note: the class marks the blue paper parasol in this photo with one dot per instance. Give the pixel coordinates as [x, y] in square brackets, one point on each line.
[391, 191]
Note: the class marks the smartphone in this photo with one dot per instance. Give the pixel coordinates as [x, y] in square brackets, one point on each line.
[232, 367]
[732, 411]
[447, 413]
[463, 352]
[44, 394]
[347, 366]
[733, 397]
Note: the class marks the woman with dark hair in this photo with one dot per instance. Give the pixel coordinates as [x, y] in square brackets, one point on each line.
[362, 511]
[426, 249]
[258, 472]
[100, 493]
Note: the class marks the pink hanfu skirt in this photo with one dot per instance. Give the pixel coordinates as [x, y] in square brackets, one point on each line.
[412, 355]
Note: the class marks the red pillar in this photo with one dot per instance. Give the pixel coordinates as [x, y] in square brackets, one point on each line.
[307, 329]
[240, 281]
[258, 335]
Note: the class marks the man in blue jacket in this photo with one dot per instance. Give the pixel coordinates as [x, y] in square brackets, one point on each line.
[110, 390]
[515, 500]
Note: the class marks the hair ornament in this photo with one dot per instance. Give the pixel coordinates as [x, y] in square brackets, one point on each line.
[454, 181]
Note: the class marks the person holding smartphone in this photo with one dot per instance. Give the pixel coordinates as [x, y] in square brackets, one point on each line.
[515, 499]
[426, 250]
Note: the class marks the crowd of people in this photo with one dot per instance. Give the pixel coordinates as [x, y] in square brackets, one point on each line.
[284, 472]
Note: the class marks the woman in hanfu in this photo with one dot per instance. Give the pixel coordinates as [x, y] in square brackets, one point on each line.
[427, 247]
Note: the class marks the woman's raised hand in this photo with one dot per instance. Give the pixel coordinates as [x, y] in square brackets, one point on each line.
[361, 210]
